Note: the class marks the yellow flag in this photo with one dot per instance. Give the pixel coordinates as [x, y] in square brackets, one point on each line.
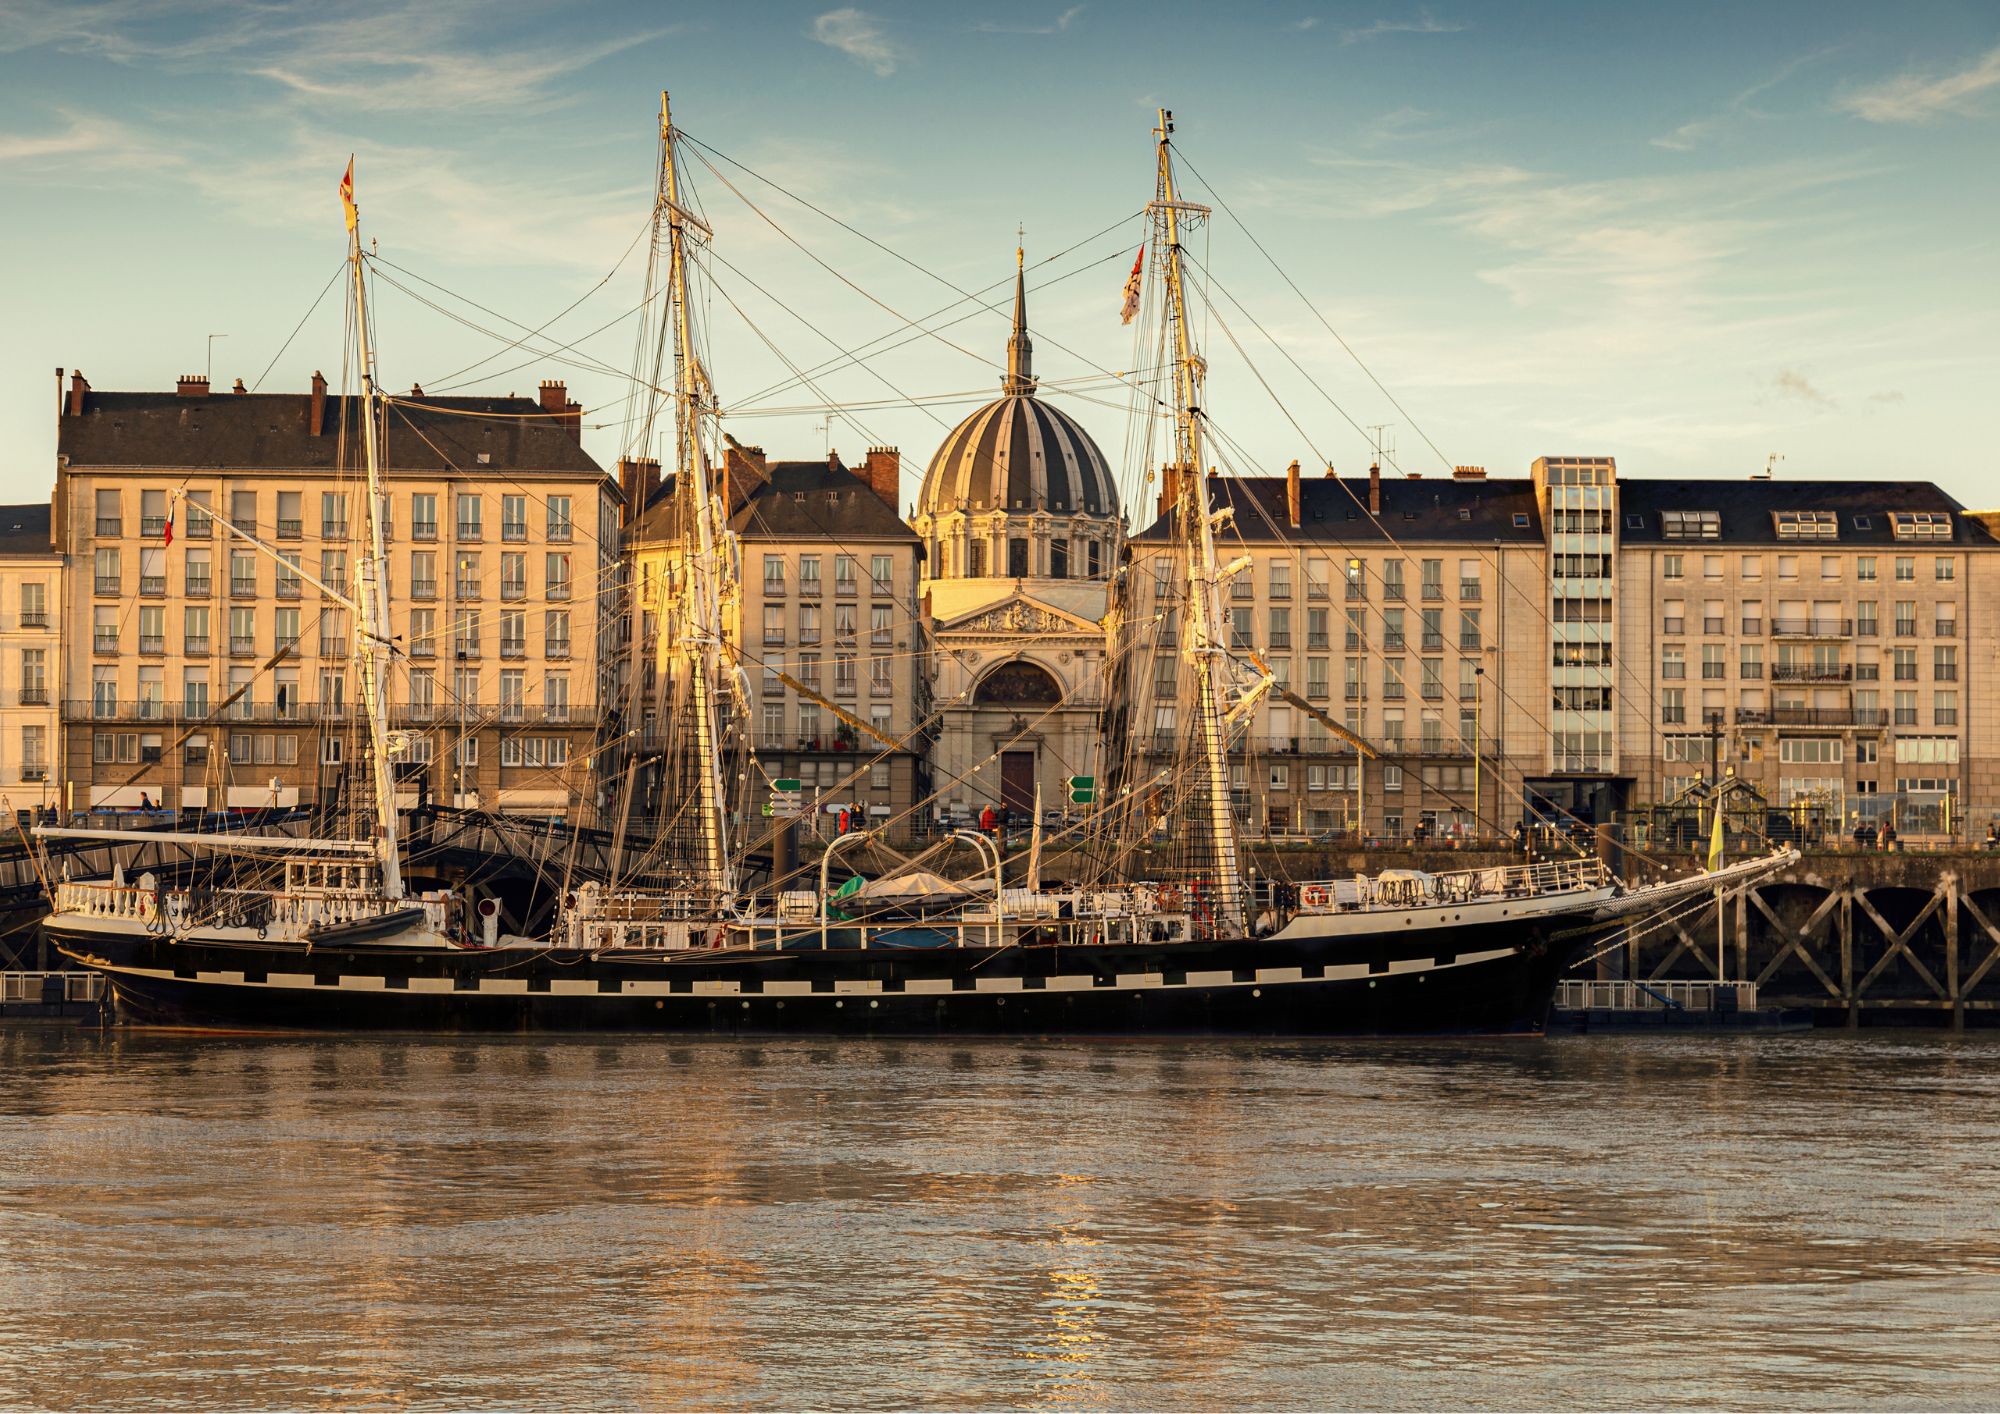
[1715, 837]
[347, 193]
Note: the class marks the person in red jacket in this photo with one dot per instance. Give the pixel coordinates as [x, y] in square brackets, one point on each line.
[987, 820]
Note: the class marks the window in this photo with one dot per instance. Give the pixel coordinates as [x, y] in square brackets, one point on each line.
[808, 623]
[423, 574]
[1670, 567]
[423, 516]
[471, 512]
[287, 628]
[513, 693]
[465, 584]
[1753, 567]
[881, 575]
[242, 631]
[1806, 525]
[880, 681]
[556, 571]
[1690, 525]
[1944, 709]
[332, 515]
[774, 623]
[1714, 665]
[1942, 750]
[555, 633]
[1809, 751]
[1920, 525]
[514, 574]
[1944, 663]
[1829, 567]
[1280, 585]
[423, 633]
[1673, 663]
[333, 568]
[513, 634]
[774, 576]
[1017, 559]
[198, 516]
[809, 575]
[1864, 569]
[1943, 569]
[108, 573]
[1906, 569]
[560, 527]
[513, 517]
[195, 630]
[555, 703]
[465, 634]
[880, 633]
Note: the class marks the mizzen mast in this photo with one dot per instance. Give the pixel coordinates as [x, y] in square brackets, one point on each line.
[371, 581]
[1195, 529]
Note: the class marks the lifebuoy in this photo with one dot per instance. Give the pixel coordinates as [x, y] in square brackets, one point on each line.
[1316, 896]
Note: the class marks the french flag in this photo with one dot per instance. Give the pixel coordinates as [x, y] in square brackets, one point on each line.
[170, 523]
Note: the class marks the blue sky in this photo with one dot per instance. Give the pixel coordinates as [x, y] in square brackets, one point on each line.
[1687, 236]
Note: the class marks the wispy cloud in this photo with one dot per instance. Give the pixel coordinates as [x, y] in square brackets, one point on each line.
[1917, 98]
[442, 77]
[84, 136]
[1424, 23]
[1060, 25]
[1790, 383]
[860, 36]
[1689, 135]
[1309, 22]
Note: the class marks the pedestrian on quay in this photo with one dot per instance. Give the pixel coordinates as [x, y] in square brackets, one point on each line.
[988, 820]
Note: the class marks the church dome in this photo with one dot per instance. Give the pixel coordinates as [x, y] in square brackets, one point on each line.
[1018, 453]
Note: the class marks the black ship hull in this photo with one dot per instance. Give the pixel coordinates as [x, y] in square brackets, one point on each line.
[1488, 979]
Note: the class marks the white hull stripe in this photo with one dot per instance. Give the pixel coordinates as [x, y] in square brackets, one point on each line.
[781, 989]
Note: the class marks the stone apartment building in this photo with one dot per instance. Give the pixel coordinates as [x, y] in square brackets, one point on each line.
[827, 594]
[203, 672]
[1572, 646]
[31, 638]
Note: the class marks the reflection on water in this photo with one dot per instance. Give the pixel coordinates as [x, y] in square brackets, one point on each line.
[1805, 1220]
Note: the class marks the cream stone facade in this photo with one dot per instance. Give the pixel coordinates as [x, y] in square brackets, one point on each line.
[31, 652]
[204, 673]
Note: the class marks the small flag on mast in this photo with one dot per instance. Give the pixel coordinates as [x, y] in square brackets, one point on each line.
[1715, 837]
[347, 195]
[170, 524]
[1132, 288]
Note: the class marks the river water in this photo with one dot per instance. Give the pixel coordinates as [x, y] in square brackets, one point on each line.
[1806, 1220]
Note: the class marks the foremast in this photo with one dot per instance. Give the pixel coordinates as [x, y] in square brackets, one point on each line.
[371, 589]
[704, 634]
[1194, 528]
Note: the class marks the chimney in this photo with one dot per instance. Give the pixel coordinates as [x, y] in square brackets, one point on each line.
[316, 423]
[747, 467]
[239, 390]
[1170, 488]
[631, 486]
[79, 389]
[649, 476]
[882, 469]
[1292, 492]
[416, 390]
[1374, 488]
[554, 398]
[1468, 473]
[192, 385]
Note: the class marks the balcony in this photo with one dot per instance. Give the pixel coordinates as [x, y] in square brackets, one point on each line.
[1813, 628]
[195, 645]
[423, 530]
[513, 648]
[152, 643]
[1906, 672]
[286, 641]
[290, 529]
[1673, 627]
[1281, 642]
[558, 589]
[288, 588]
[1945, 672]
[423, 648]
[843, 589]
[1714, 672]
[199, 526]
[466, 651]
[513, 530]
[1354, 642]
[34, 697]
[1811, 717]
[423, 589]
[1357, 591]
[110, 525]
[1433, 642]
[1812, 672]
[1752, 628]
[242, 647]
[1433, 592]
[1433, 692]
[1906, 628]
[105, 641]
[513, 589]
[108, 584]
[34, 771]
[333, 530]
[153, 586]
[469, 532]
[809, 586]
[1906, 716]
[556, 648]
[34, 619]
[333, 647]
[559, 532]
[1354, 692]
[1947, 628]
[1469, 643]
[466, 589]
[1392, 641]
[243, 589]
[197, 586]
[1469, 590]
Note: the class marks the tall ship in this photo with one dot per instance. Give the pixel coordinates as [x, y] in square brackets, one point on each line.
[707, 925]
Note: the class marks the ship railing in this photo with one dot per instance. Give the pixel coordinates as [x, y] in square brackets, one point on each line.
[119, 901]
[1661, 995]
[1413, 889]
[33, 986]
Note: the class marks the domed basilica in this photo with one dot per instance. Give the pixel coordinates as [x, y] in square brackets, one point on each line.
[1021, 524]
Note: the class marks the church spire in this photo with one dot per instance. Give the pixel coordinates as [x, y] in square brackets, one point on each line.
[1020, 352]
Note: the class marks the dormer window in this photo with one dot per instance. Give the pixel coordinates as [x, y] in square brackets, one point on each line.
[1806, 525]
[1920, 525]
[1691, 525]
[1520, 520]
[1864, 522]
[1635, 521]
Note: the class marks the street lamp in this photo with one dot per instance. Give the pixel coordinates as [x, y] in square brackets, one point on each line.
[1478, 814]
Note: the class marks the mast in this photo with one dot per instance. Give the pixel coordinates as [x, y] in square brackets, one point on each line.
[1195, 528]
[371, 591]
[705, 570]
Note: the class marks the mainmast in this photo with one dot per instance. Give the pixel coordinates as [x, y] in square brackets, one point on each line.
[371, 590]
[1195, 528]
[694, 407]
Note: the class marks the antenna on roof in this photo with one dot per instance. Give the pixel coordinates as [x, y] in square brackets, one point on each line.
[1770, 465]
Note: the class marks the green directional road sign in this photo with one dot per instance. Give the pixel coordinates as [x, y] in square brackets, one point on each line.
[785, 784]
[1082, 790]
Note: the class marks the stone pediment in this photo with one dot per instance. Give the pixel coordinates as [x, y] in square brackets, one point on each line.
[1017, 616]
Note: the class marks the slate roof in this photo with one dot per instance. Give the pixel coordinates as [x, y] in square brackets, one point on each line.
[1334, 511]
[1745, 509]
[24, 530]
[797, 503]
[271, 432]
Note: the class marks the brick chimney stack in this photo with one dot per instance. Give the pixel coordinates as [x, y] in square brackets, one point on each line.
[1170, 488]
[1468, 473]
[882, 469]
[569, 415]
[747, 468]
[638, 479]
[1292, 493]
[316, 409]
[192, 385]
[79, 389]
[239, 390]
[1374, 488]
